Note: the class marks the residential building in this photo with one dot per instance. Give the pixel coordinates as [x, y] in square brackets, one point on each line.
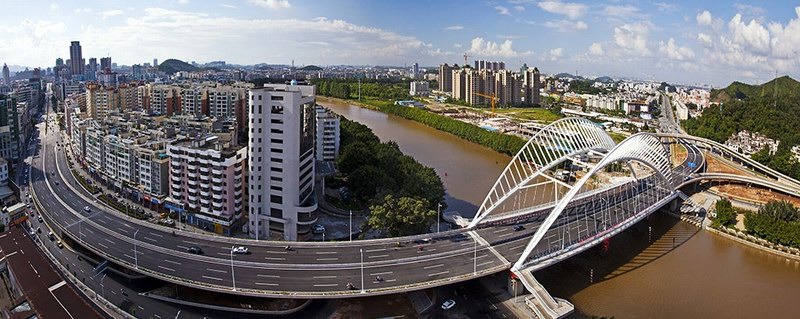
[105, 63]
[6, 75]
[531, 85]
[749, 143]
[489, 65]
[207, 177]
[164, 99]
[445, 78]
[281, 164]
[3, 172]
[76, 58]
[327, 144]
[419, 88]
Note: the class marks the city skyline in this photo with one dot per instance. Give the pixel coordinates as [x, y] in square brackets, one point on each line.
[682, 42]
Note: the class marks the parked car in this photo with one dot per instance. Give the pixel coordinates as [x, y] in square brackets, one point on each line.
[195, 250]
[448, 304]
[59, 244]
[241, 250]
[318, 229]
[51, 236]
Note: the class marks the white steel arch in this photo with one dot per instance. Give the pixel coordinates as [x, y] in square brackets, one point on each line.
[644, 148]
[552, 145]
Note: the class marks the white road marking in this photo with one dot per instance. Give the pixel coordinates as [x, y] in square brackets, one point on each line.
[166, 268]
[385, 280]
[324, 277]
[268, 276]
[504, 235]
[434, 266]
[326, 252]
[382, 273]
[157, 235]
[104, 245]
[327, 259]
[276, 252]
[426, 250]
[326, 285]
[150, 239]
[439, 273]
[264, 284]
[485, 263]
[217, 270]
[172, 262]
[212, 278]
[274, 258]
[190, 242]
[129, 256]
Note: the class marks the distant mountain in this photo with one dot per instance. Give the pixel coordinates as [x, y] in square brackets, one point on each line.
[310, 68]
[787, 87]
[604, 79]
[172, 66]
[564, 75]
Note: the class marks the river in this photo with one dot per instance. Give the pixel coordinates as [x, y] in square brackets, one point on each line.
[660, 268]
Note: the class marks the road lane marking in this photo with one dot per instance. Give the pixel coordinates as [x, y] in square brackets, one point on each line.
[485, 263]
[212, 278]
[326, 252]
[479, 257]
[378, 256]
[276, 252]
[172, 262]
[129, 256]
[217, 270]
[439, 273]
[426, 250]
[325, 285]
[504, 235]
[166, 268]
[327, 259]
[386, 280]
[183, 247]
[324, 277]
[499, 230]
[518, 247]
[157, 235]
[274, 258]
[150, 239]
[382, 273]
[268, 276]
[192, 243]
[103, 245]
[264, 284]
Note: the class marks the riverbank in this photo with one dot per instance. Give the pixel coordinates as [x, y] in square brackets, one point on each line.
[503, 143]
[757, 243]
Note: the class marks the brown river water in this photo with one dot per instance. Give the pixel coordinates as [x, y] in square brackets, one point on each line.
[659, 268]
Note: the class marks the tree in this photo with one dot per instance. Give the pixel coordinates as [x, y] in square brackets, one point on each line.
[726, 215]
[401, 216]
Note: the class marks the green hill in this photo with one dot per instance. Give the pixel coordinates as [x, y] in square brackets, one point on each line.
[310, 68]
[172, 66]
[787, 88]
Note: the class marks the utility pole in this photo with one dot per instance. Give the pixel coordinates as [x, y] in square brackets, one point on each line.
[363, 289]
[135, 253]
[351, 225]
[438, 216]
[233, 276]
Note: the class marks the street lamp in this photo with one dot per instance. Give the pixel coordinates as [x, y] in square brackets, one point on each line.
[475, 260]
[323, 236]
[135, 253]
[351, 225]
[438, 216]
[233, 277]
[363, 289]
[103, 287]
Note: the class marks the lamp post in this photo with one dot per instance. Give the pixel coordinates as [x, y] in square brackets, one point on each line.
[135, 253]
[233, 276]
[475, 260]
[103, 287]
[363, 289]
[351, 225]
[438, 216]
[323, 236]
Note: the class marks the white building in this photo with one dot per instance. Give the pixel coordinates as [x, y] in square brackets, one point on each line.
[3, 171]
[419, 88]
[681, 111]
[327, 135]
[281, 162]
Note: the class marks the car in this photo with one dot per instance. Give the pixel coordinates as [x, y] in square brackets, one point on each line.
[28, 206]
[195, 250]
[519, 227]
[39, 230]
[59, 244]
[87, 209]
[56, 182]
[241, 250]
[40, 219]
[51, 236]
[319, 229]
[448, 304]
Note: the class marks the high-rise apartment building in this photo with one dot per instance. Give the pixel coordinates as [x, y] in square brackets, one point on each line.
[445, 78]
[490, 65]
[164, 99]
[327, 134]
[531, 84]
[105, 63]
[76, 58]
[281, 162]
[6, 75]
[91, 71]
[192, 100]
[102, 99]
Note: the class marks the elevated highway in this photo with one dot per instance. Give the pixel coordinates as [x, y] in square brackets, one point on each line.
[510, 233]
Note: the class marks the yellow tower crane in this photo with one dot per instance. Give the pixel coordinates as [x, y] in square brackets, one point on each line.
[493, 97]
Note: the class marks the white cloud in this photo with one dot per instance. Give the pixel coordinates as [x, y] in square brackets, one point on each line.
[704, 39]
[625, 11]
[786, 40]
[454, 28]
[666, 7]
[752, 35]
[596, 49]
[110, 13]
[704, 18]
[632, 38]
[519, 8]
[484, 48]
[570, 9]
[457, 45]
[502, 10]
[675, 52]
[554, 54]
[229, 6]
[54, 7]
[750, 11]
[566, 25]
[272, 4]
[183, 1]
[82, 10]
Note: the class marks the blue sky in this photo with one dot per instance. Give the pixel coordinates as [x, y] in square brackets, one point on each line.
[689, 42]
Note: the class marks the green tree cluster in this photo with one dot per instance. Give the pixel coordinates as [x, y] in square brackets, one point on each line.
[401, 216]
[726, 215]
[777, 222]
[374, 169]
[370, 88]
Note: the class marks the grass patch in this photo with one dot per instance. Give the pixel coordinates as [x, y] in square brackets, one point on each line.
[91, 188]
[110, 201]
[530, 114]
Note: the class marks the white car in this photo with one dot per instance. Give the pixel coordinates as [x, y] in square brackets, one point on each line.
[86, 209]
[241, 250]
[448, 304]
[319, 229]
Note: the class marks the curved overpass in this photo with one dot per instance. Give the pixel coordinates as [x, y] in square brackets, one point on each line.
[310, 270]
[740, 179]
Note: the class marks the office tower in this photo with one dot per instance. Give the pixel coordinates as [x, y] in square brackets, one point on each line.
[105, 63]
[415, 71]
[76, 58]
[445, 78]
[281, 160]
[6, 75]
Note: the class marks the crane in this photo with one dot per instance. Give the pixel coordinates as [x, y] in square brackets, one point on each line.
[493, 97]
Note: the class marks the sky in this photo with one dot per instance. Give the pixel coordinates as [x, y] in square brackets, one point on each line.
[687, 42]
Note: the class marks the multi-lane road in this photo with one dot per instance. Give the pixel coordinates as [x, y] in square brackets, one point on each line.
[307, 270]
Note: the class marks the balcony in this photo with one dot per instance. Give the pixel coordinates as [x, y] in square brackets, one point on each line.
[204, 170]
[216, 180]
[216, 196]
[175, 179]
[216, 188]
[192, 182]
